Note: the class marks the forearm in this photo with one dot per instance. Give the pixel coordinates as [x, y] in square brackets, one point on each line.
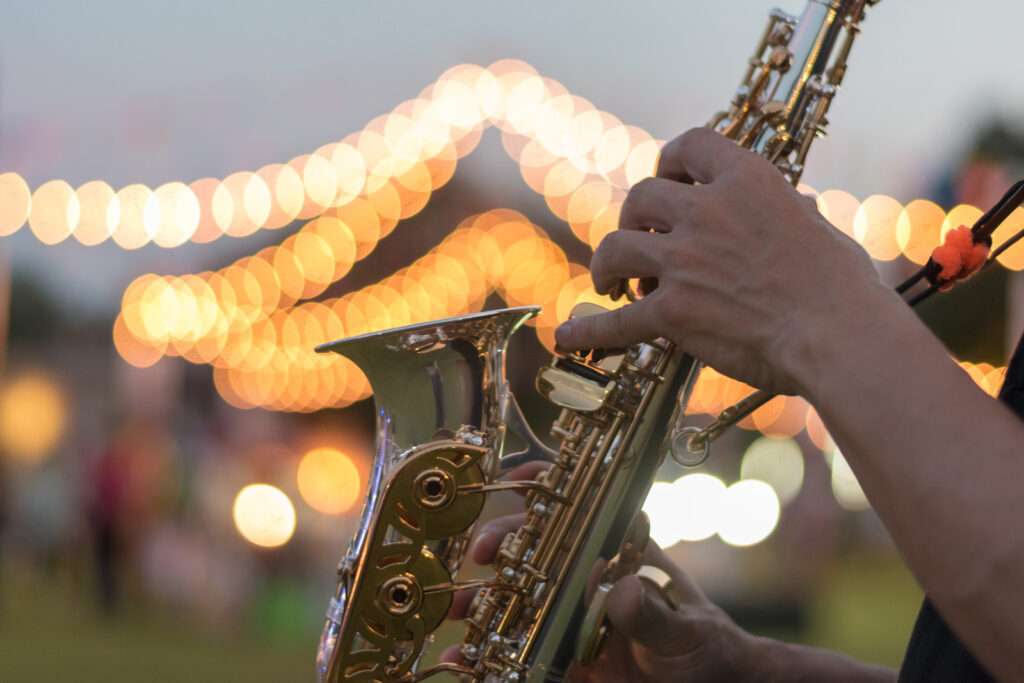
[787, 663]
[940, 462]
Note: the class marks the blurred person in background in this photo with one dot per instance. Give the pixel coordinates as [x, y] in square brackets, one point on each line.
[107, 483]
[133, 486]
[747, 276]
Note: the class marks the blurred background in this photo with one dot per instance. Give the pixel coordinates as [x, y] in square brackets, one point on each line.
[193, 195]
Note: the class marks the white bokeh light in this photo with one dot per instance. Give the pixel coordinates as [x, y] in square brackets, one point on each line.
[685, 510]
[749, 513]
[779, 462]
[845, 486]
[264, 515]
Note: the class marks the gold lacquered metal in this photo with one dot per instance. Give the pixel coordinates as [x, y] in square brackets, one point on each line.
[636, 539]
[389, 600]
[571, 391]
[779, 110]
[443, 405]
[575, 384]
[595, 628]
[697, 441]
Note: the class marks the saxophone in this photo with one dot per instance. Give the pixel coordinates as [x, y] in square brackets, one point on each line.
[445, 414]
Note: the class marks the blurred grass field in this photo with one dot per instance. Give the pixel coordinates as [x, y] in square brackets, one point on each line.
[52, 630]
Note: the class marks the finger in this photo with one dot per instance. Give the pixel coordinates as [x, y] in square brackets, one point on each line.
[655, 204]
[460, 604]
[452, 654]
[687, 590]
[625, 254]
[642, 617]
[699, 154]
[812, 202]
[492, 534]
[528, 471]
[594, 578]
[612, 330]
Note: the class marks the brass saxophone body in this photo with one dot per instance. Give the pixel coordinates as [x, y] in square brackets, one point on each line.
[444, 411]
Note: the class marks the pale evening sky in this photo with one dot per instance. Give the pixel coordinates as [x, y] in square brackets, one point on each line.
[150, 92]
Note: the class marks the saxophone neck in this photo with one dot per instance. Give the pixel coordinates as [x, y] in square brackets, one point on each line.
[780, 105]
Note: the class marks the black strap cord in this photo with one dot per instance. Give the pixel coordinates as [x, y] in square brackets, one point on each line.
[981, 233]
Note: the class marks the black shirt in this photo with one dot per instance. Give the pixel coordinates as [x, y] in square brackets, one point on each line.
[934, 653]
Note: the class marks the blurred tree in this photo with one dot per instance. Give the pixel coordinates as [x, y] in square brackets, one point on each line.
[34, 315]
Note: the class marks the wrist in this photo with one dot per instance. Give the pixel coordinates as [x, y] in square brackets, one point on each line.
[778, 662]
[850, 335]
[769, 660]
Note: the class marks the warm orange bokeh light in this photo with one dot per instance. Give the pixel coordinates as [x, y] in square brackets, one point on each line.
[919, 229]
[250, 203]
[139, 217]
[243, 319]
[33, 416]
[99, 213]
[15, 201]
[642, 161]
[214, 209]
[874, 226]
[54, 212]
[962, 214]
[840, 208]
[1012, 258]
[328, 480]
[179, 215]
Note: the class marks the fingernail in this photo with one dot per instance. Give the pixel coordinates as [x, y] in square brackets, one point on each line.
[563, 332]
[484, 537]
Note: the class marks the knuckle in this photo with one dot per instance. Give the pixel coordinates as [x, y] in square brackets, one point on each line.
[637, 196]
[607, 257]
[619, 328]
[702, 207]
[696, 134]
[608, 244]
[754, 170]
[644, 186]
[674, 316]
[669, 148]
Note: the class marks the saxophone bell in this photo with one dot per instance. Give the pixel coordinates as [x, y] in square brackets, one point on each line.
[443, 406]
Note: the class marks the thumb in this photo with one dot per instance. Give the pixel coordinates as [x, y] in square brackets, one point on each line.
[645, 618]
[612, 330]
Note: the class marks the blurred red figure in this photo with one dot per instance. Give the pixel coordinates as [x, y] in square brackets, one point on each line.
[107, 503]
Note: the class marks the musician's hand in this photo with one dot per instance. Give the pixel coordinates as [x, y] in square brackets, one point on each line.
[649, 641]
[652, 642]
[749, 275]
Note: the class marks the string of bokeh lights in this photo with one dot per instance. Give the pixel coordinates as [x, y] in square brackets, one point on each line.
[246, 320]
[268, 360]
